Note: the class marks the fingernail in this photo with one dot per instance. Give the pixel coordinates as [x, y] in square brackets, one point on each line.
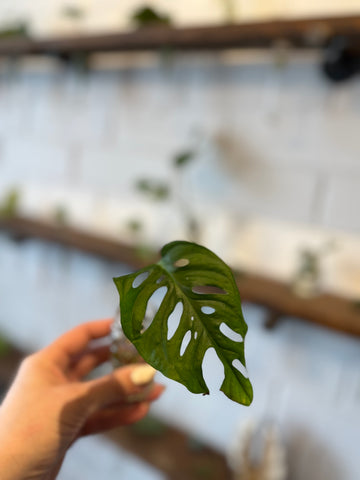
[142, 375]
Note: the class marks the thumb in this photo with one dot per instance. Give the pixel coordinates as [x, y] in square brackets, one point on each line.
[125, 385]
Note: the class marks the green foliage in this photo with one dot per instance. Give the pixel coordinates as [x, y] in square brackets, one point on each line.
[61, 216]
[4, 346]
[309, 262]
[9, 205]
[73, 11]
[229, 10]
[203, 286]
[157, 190]
[15, 30]
[184, 158]
[147, 16]
[134, 226]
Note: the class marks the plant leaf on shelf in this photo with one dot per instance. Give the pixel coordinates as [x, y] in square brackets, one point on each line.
[157, 190]
[182, 159]
[201, 288]
[148, 16]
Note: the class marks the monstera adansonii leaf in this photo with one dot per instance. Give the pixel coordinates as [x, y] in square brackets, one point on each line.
[201, 287]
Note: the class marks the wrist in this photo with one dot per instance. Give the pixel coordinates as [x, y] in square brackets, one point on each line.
[19, 458]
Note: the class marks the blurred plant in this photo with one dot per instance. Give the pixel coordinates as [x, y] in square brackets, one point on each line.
[79, 61]
[134, 227]
[138, 239]
[180, 162]
[307, 277]
[229, 10]
[14, 30]
[73, 12]
[9, 206]
[61, 215]
[258, 452]
[156, 190]
[5, 346]
[146, 16]
[281, 50]
[159, 190]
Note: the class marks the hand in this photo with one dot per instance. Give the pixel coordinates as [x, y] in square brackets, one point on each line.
[48, 406]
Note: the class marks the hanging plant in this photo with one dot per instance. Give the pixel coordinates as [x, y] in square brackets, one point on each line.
[146, 16]
[201, 288]
[10, 203]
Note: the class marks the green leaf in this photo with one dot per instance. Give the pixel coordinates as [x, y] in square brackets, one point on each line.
[4, 346]
[183, 159]
[74, 12]
[157, 190]
[9, 206]
[204, 287]
[148, 16]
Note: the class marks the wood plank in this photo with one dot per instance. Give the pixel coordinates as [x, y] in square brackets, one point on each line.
[328, 310]
[302, 33]
[174, 452]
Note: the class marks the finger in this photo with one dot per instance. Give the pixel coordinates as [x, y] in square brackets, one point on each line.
[150, 394]
[76, 340]
[115, 417]
[88, 361]
[130, 383]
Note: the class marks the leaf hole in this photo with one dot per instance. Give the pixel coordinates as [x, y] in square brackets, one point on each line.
[160, 279]
[181, 262]
[140, 279]
[207, 310]
[195, 335]
[230, 333]
[153, 306]
[174, 320]
[213, 370]
[208, 289]
[239, 366]
[192, 318]
[185, 342]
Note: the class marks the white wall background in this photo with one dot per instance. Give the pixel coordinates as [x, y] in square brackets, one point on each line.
[278, 144]
[289, 139]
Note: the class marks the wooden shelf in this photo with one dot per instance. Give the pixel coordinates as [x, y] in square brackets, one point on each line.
[304, 33]
[326, 309]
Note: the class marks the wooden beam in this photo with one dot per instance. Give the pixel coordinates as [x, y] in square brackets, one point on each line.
[325, 309]
[21, 228]
[175, 453]
[303, 33]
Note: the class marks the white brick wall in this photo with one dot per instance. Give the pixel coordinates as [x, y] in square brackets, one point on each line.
[290, 143]
[279, 144]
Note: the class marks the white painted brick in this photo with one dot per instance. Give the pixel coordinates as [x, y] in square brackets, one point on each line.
[270, 192]
[30, 161]
[116, 170]
[122, 124]
[342, 203]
